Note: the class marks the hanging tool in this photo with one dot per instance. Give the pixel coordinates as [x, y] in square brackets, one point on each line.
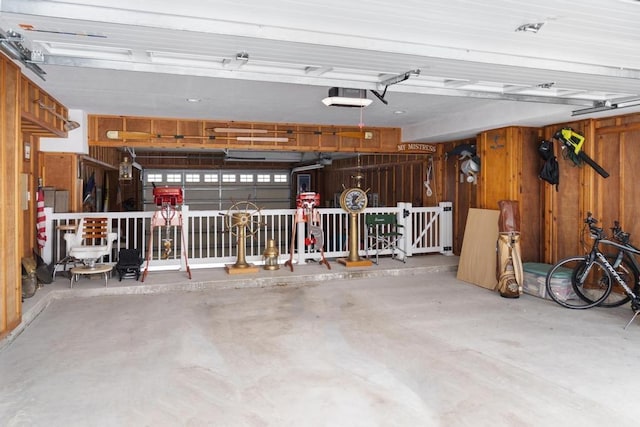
[572, 144]
[429, 177]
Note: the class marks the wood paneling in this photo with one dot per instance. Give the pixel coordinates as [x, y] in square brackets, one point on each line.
[11, 213]
[508, 172]
[35, 119]
[463, 194]
[395, 178]
[614, 143]
[565, 209]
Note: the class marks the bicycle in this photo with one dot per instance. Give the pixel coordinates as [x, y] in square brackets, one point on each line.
[591, 275]
[627, 267]
[625, 264]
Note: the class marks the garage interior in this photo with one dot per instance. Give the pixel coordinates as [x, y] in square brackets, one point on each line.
[389, 344]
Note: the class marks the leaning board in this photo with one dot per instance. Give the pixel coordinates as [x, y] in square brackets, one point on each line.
[478, 256]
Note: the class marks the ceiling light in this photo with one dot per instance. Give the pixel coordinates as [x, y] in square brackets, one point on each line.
[112, 53]
[342, 97]
[530, 28]
[194, 99]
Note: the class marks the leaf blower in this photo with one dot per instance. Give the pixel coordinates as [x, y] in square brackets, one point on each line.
[572, 142]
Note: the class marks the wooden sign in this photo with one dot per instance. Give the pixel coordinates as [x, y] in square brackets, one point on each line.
[416, 147]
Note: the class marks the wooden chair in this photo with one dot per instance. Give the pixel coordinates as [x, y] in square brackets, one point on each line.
[382, 233]
[92, 240]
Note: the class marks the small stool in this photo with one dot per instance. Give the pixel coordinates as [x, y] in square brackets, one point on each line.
[67, 228]
[98, 269]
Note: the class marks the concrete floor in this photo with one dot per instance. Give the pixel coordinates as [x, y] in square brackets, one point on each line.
[391, 345]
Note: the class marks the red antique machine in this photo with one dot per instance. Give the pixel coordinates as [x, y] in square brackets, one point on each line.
[306, 204]
[167, 216]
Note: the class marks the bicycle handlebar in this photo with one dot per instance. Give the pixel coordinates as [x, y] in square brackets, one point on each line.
[596, 232]
[620, 235]
[590, 219]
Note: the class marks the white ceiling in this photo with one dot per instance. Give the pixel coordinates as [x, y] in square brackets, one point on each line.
[147, 57]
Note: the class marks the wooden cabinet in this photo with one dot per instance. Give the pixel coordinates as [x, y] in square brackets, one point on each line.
[59, 171]
[509, 171]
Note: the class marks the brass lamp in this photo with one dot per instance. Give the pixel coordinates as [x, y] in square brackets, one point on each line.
[270, 256]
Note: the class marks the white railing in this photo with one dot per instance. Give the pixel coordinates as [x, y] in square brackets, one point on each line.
[208, 242]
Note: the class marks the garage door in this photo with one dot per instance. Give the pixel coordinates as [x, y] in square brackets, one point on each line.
[211, 190]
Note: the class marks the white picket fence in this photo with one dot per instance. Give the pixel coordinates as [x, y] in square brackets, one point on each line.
[208, 243]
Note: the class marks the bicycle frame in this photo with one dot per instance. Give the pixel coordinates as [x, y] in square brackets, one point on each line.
[624, 249]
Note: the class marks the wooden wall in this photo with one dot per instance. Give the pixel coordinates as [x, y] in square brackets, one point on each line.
[509, 171]
[22, 123]
[394, 177]
[11, 212]
[614, 143]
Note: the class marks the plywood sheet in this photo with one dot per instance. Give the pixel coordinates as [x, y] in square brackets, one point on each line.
[478, 257]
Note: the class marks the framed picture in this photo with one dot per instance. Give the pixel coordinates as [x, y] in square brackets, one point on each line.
[304, 183]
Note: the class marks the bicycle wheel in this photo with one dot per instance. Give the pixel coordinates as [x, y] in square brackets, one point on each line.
[580, 290]
[618, 295]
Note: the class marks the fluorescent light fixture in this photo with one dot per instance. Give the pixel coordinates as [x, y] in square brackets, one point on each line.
[342, 97]
[87, 51]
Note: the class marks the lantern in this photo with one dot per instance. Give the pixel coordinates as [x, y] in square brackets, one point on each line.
[125, 172]
[270, 256]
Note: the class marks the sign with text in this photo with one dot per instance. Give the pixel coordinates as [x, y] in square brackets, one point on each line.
[416, 147]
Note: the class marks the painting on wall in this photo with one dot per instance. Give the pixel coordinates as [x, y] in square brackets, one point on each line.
[304, 183]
